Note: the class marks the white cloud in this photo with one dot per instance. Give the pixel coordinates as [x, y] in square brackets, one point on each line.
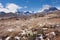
[44, 7]
[1, 6]
[4, 10]
[11, 7]
[58, 8]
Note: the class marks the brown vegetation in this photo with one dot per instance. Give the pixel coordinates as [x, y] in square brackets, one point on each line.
[31, 28]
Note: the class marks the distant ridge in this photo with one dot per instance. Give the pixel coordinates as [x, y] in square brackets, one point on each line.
[50, 9]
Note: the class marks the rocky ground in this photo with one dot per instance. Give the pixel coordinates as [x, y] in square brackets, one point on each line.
[41, 28]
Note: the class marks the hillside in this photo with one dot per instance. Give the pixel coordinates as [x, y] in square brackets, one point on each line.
[33, 24]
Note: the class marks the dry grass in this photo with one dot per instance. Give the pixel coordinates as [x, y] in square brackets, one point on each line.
[18, 25]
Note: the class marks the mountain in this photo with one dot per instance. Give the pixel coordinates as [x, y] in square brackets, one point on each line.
[28, 14]
[50, 9]
[4, 15]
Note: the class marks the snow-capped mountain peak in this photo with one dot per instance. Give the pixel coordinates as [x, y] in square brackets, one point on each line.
[48, 8]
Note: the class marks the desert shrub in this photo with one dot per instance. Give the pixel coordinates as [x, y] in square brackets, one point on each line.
[45, 26]
[57, 32]
[40, 31]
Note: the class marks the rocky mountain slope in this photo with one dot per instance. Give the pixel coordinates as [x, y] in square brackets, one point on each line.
[30, 27]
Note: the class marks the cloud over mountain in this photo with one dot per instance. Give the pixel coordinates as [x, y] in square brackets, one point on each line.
[48, 8]
[10, 7]
[44, 7]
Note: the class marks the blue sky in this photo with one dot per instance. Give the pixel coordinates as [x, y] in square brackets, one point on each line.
[32, 5]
